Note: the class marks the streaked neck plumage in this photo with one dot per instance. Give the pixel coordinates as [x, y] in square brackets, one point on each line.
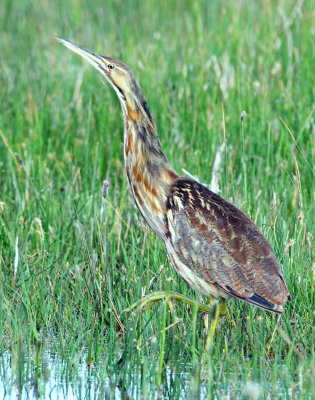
[148, 171]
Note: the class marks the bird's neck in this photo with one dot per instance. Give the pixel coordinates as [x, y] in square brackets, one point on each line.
[148, 171]
[142, 146]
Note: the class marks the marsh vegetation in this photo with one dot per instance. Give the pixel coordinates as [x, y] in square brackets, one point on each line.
[72, 260]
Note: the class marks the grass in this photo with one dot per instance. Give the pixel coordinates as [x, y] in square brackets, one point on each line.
[71, 261]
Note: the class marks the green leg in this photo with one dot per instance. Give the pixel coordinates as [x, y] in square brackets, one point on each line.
[223, 308]
[148, 301]
[213, 325]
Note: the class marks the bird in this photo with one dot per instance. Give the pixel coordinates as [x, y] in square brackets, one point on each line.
[215, 248]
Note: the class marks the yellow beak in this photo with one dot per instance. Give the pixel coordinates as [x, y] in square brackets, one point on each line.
[93, 58]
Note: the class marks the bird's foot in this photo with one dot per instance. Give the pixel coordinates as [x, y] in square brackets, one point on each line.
[215, 309]
[148, 301]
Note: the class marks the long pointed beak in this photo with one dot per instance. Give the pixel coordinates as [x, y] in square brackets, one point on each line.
[92, 58]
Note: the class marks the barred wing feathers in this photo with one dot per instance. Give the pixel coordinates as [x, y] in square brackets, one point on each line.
[217, 248]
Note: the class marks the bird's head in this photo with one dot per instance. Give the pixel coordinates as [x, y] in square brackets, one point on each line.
[117, 74]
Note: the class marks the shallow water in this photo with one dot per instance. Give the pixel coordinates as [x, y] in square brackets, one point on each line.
[48, 374]
[55, 376]
[52, 379]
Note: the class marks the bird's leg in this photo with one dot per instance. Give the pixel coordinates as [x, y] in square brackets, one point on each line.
[148, 301]
[216, 314]
[223, 308]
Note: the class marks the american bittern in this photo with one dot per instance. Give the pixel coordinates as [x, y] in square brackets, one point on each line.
[213, 246]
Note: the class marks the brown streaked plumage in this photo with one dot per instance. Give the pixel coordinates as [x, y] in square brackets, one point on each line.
[213, 245]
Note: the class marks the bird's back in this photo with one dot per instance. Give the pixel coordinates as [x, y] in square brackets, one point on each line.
[219, 250]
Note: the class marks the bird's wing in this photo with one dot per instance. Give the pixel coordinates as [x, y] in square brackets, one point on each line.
[222, 247]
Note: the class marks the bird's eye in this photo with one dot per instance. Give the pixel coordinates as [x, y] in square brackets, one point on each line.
[111, 66]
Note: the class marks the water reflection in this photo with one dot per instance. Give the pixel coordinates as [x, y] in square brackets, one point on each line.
[43, 373]
[53, 378]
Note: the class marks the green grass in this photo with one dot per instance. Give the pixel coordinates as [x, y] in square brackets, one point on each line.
[70, 261]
